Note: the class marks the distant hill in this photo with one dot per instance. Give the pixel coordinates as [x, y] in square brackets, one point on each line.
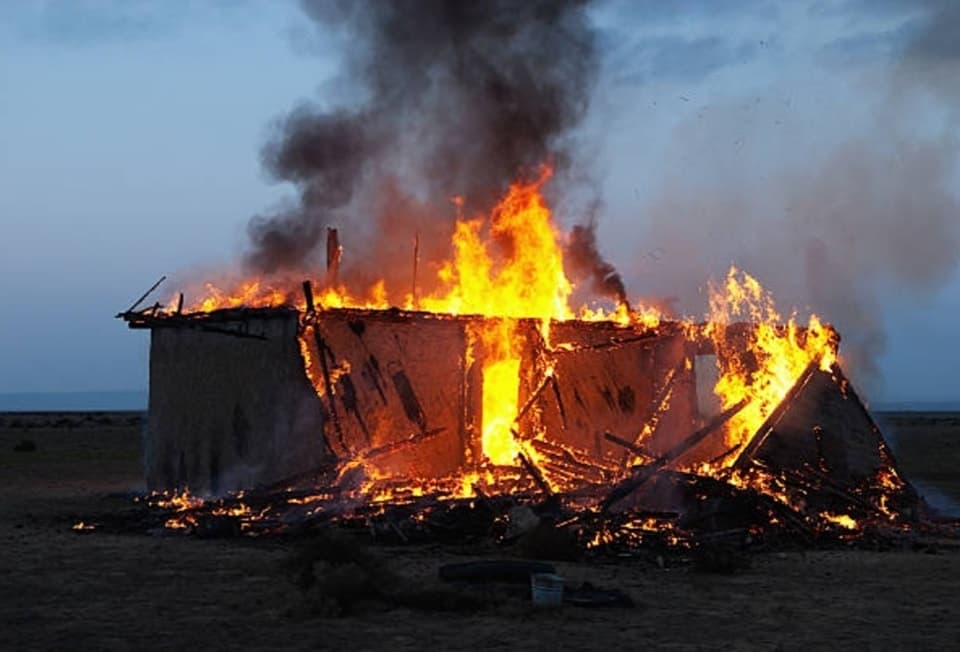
[73, 401]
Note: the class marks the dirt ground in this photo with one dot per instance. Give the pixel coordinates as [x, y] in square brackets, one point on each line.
[62, 590]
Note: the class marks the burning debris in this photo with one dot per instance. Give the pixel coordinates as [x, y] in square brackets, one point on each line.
[308, 406]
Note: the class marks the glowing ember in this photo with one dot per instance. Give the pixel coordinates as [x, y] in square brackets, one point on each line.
[180, 502]
[840, 520]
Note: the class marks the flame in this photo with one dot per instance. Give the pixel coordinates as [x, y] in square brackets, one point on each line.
[501, 391]
[842, 520]
[514, 269]
[178, 502]
[250, 293]
[780, 352]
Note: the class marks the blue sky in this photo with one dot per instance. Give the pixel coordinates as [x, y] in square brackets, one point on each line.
[130, 135]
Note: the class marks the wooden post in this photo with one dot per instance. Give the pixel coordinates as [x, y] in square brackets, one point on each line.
[416, 265]
[308, 295]
[146, 294]
[334, 254]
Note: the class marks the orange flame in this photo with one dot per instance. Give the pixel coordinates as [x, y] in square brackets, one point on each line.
[778, 354]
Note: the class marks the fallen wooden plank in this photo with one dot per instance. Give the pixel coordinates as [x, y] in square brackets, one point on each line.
[644, 473]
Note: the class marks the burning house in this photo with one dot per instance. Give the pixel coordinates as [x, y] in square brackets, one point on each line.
[495, 387]
[302, 393]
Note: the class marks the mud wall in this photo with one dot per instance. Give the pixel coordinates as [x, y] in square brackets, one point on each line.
[229, 412]
[399, 382]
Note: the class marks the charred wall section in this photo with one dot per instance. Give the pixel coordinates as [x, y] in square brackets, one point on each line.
[229, 412]
[399, 384]
[608, 378]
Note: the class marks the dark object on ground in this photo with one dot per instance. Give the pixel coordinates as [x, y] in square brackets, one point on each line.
[588, 595]
[494, 570]
[339, 576]
[547, 541]
[25, 446]
[719, 558]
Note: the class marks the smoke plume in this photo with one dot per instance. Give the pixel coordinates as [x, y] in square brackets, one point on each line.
[455, 99]
[583, 260]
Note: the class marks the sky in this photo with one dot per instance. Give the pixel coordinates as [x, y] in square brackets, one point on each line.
[130, 134]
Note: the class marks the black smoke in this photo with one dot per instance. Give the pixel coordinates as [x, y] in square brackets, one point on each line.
[455, 98]
[583, 260]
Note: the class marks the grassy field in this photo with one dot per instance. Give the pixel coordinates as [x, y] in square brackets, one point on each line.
[62, 590]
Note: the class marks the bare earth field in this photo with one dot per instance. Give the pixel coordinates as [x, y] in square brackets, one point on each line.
[62, 590]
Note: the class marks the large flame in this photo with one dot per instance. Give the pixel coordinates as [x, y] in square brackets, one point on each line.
[765, 362]
[501, 391]
[510, 265]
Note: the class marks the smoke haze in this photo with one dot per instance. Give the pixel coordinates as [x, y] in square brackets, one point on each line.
[837, 188]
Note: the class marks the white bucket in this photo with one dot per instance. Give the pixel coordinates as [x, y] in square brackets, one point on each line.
[546, 589]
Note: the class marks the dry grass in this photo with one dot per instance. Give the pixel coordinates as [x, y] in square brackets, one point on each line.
[61, 590]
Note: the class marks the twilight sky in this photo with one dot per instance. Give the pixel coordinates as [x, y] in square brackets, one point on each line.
[812, 143]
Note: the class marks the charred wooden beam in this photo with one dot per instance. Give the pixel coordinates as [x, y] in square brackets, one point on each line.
[412, 440]
[180, 304]
[725, 454]
[308, 296]
[750, 450]
[140, 320]
[416, 269]
[633, 448]
[660, 403]
[651, 337]
[144, 295]
[334, 254]
[644, 473]
[559, 452]
[534, 396]
[535, 474]
[714, 424]
[555, 385]
[322, 350]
